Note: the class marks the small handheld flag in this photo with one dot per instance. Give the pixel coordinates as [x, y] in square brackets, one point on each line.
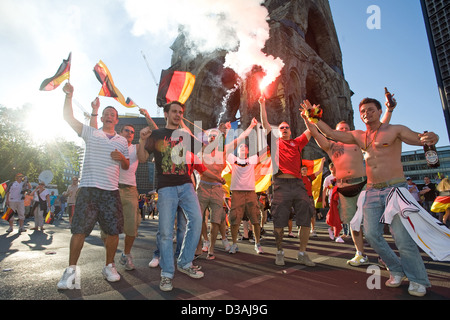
[174, 86]
[62, 74]
[108, 88]
[3, 188]
[8, 214]
[49, 217]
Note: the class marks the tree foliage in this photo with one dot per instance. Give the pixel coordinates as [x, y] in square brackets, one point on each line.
[19, 154]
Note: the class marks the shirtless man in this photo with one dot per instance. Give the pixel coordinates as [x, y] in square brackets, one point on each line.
[211, 194]
[350, 176]
[382, 144]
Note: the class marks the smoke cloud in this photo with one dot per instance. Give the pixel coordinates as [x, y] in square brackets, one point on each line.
[236, 26]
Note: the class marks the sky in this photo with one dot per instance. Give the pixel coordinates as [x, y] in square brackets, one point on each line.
[37, 35]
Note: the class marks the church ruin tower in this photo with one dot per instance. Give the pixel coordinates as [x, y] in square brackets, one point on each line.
[303, 35]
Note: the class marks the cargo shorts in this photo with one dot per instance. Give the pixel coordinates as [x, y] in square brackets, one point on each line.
[96, 205]
[287, 194]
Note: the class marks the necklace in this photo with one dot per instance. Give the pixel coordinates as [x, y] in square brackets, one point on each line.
[373, 140]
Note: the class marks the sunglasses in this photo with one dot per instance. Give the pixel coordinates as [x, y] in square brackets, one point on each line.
[129, 131]
[286, 127]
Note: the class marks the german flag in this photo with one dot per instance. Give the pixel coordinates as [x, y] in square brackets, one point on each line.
[108, 88]
[49, 217]
[62, 74]
[174, 86]
[440, 204]
[316, 188]
[8, 214]
[3, 188]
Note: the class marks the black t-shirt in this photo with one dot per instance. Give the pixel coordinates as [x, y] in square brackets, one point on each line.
[430, 195]
[170, 148]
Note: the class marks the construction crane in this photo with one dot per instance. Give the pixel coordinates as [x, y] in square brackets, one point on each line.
[153, 76]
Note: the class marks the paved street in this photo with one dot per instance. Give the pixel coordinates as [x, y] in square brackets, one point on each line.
[31, 264]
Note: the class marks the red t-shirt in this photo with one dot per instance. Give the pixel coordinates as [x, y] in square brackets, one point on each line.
[287, 155]
[307, 181]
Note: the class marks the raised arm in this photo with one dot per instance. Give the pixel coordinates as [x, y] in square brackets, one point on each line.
[142, 153]
[149, 119]
[320, 168]
[323, 142]
[344, 137]
[389, 109]
[263, 112]
[233, 144]
[68, 110]
[95, 106]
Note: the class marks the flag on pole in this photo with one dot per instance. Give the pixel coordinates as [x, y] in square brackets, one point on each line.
[108, 88]
[8, 214]
[174, 86]
[62, 74]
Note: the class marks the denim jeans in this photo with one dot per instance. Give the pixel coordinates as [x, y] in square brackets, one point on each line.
[169, 198]
[410, 262]
[181, 230]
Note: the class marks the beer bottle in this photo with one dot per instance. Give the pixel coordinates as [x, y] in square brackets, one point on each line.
[431, 155]
[389, 98]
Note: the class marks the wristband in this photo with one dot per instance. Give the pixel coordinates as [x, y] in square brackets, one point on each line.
[94, 114]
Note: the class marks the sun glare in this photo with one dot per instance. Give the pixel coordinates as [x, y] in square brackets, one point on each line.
[47, 127]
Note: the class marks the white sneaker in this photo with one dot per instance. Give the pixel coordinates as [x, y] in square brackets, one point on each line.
[331, 233]
[192, 272]
[154, 263]
[339, 240]
[394, 281]
[127, 261]
[205, 247]
[70, 279]
[279, 258]
[110, 273]
[258, 248]
[358, 260]
[304, 259]
[233, 249]
[226, 244]
[417, 289]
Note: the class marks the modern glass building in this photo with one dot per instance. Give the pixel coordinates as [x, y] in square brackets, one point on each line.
[415, 165]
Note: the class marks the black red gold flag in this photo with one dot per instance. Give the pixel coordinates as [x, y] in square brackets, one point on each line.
[9, 213]
[108, 88]
[174, 86]
[62, 74]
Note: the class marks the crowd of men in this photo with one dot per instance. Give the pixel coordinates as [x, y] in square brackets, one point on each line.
[107, 192]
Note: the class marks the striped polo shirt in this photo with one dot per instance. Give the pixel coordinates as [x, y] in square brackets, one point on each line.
[99, 169]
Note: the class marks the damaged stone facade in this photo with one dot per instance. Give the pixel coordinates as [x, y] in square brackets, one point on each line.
[303, 35]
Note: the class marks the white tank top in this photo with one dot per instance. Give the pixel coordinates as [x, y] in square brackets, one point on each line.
[129, 176]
